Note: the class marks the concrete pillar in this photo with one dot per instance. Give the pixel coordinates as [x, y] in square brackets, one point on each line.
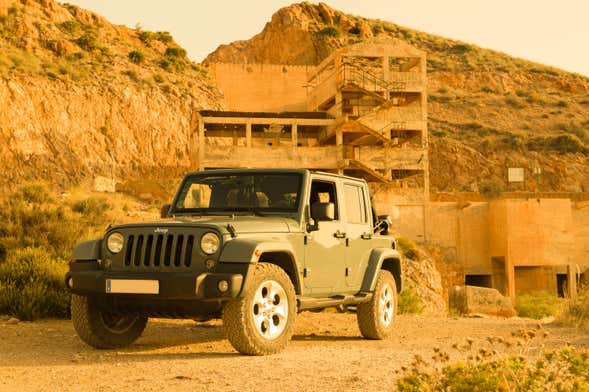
[510, 278]
[295, 136]
[339, 141]
[572, 281]
[201, 144]
[248, 134]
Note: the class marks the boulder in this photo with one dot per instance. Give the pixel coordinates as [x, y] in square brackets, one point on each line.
[479, 300]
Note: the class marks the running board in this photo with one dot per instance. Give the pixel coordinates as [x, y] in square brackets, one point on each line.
[306, 303]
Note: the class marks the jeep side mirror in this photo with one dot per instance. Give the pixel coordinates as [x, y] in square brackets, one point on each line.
[383, 224]
[165, 211]
[323, 211]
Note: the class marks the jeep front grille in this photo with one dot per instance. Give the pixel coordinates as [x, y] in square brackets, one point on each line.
[159, 250]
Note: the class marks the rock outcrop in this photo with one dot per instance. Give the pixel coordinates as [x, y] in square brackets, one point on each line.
[76, 104]
[472, 300]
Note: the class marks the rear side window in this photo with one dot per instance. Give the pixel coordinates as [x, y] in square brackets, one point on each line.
[355, 205]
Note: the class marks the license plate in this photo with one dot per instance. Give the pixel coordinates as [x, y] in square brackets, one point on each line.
[132, 286]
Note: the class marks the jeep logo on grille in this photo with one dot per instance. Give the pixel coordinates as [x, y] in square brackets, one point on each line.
[160, 230]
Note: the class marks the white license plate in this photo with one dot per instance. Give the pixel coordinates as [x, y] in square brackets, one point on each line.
[132, 286]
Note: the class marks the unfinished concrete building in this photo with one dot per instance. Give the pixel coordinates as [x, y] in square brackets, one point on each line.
[361, 112]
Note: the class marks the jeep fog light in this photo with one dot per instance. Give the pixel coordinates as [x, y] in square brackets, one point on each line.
[114, 242]
[209, 243]
[223, 286]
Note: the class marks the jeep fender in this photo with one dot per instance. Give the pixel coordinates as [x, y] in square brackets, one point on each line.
[383, 258]
[251, 251]
[87, 250]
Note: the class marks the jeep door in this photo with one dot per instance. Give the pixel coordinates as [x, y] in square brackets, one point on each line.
[358, 229]
[325, 247]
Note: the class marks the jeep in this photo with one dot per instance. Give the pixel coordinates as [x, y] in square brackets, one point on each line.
[251, 246]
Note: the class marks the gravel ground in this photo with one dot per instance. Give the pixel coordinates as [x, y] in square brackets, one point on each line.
[326, 354]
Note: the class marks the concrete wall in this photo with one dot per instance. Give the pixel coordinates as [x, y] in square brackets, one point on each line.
[262, 87]
[522, 243]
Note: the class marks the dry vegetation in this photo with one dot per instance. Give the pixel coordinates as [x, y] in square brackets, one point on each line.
[86, 49]
[38, 230]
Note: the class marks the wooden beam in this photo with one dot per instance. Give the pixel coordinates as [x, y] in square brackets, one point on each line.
[294, 134]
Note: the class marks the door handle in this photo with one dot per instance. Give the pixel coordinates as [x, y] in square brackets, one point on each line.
[366, 236]
[339, 234]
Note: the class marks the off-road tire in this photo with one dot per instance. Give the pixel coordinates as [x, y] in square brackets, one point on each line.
[369, 314]
[238, 314]
[89, 322]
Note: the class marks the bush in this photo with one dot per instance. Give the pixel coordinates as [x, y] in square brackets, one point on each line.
[537, 305]
[175, 52]
[88, 41]
[565, 143]
[132, 75]
[486, 369]
[136, 57]
[576, 310]
[409, 302]
[92, 208]
[330, 31]
[32, 217]
[32, 285]
[407, 248]
[490, 188]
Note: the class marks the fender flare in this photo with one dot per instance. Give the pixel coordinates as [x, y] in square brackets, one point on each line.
[250, 251]
[378, 256]
[87, 250]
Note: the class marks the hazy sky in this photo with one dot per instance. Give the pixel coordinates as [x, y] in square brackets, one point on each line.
[547, 31]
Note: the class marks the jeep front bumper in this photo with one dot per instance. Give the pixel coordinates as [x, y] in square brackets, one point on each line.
[162, 285]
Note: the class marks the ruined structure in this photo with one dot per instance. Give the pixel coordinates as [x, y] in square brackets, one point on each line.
[361, 112]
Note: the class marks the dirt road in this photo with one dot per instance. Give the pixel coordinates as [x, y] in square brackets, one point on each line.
[326, 354]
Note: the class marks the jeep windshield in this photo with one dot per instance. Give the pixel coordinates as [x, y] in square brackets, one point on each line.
[239, 194]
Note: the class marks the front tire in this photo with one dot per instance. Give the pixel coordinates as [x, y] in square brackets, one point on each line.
[101, 329]
[261, 322]
[376, 317]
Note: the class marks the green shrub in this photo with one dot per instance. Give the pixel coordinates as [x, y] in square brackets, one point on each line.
[537, 305]
[32, 217]
[132, 75]
[407, 248]
[93, 207]
[136, 56]
[487, 369]
[70, 26]
[576, 310]
[158, 78]
[409, 302]
[565, 143]
[515, 102]
[163, 36]
[88, 41]
[175, 52]
[32, 285]
[491, 188]
[330, 31]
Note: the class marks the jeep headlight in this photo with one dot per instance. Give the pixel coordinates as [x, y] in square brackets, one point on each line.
[114, 242]
[209, 243]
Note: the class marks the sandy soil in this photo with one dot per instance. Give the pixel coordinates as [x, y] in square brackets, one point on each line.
[326, 353]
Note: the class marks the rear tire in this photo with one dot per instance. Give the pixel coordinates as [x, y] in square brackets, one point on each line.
[261, 322]
[101, 329]
[376, 317]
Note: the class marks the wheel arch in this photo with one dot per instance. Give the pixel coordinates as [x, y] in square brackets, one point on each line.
[284, 260]
[386, 259]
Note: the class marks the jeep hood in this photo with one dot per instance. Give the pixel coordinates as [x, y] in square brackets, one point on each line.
[241, 224]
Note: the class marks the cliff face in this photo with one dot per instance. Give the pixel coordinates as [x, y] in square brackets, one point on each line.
[488, 111]
[82, 98]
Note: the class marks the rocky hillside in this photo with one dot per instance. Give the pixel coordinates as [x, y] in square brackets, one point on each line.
[82, 98]
[487, 110]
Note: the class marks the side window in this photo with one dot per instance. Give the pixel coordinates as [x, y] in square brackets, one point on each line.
[355, 204]
[324, 192]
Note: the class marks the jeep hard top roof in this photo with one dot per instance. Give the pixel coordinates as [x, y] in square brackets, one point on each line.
[275, 170]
